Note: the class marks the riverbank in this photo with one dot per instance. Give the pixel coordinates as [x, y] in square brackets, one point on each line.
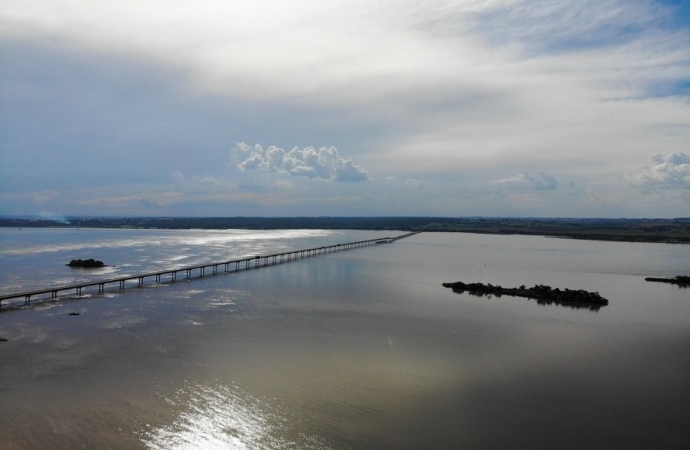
[671, 231]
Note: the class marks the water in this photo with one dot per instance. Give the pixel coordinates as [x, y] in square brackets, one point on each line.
[349, 350]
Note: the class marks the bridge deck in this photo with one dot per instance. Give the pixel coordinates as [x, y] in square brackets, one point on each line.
[238, 264]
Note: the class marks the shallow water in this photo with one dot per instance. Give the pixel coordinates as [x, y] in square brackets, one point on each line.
[357, 349]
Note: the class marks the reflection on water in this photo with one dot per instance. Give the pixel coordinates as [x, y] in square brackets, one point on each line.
[226, 417]
[35, 241]
[128, 252]
[540, 301]
[350, 350]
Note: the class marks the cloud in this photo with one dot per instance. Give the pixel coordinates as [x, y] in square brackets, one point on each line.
[571, 25]
[542, 182]
[207, 186]
[37, 197]
[668, 172]
[148, 204]
[177, 177]
[414, 183]
[459, 92]
[324, 163]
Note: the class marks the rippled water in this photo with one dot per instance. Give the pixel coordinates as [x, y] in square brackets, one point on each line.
[128, 252]
[350, 350]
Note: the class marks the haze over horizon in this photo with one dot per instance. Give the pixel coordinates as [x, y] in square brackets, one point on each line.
[497, 108]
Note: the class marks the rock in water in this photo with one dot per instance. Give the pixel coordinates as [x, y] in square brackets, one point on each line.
[87, 263]
[539, 292]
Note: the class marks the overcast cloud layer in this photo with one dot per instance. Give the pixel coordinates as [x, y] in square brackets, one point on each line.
[457, 108]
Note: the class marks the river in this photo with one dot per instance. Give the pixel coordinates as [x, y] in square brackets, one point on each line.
[348, 350]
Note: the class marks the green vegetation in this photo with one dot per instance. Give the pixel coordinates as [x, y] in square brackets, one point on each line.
[629, 230]
[543, 294]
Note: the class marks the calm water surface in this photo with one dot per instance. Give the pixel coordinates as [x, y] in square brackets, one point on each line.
[350, 350]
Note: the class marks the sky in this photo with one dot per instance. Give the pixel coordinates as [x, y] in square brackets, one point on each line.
[512, 108]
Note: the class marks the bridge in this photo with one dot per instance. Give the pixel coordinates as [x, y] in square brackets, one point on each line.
[172, 275]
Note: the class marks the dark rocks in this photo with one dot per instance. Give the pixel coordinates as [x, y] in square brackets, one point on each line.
[86, 263]
[73, 314]
[541, 293]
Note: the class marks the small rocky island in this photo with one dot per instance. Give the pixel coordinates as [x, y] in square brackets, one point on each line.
[86, 263]
[680, 280]
[543, 294]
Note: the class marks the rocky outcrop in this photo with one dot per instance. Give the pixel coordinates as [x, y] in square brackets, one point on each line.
[86, 263]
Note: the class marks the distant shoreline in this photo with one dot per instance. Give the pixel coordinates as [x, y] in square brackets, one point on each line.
[669, 231]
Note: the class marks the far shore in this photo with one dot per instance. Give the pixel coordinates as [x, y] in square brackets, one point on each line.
[669, 231]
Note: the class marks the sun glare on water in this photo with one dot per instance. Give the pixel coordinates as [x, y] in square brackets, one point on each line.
[227, 417]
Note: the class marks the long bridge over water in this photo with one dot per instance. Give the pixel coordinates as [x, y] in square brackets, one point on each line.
[171, 275]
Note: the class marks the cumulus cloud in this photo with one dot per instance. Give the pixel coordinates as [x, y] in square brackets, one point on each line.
[667, 171]
[324, 163]
[542, 182]
[361, 74]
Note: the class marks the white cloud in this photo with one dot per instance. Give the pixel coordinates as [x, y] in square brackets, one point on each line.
[324, 163]
[542, 182]
[668, 172]
[452, 83]
[449, 91]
